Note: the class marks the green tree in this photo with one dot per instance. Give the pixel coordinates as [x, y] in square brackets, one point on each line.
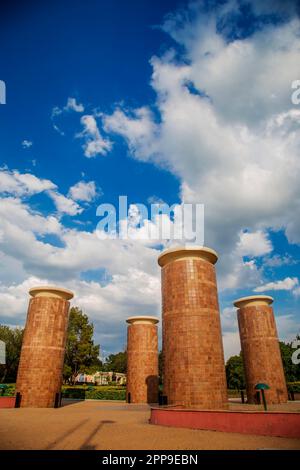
[12, 338]
[116, 362]
[235, 373]
[82, 355]
[291, 371]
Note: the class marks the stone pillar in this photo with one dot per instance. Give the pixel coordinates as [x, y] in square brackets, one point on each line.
[194, 370]
[142, 360]
[260, 348]
[43, 349]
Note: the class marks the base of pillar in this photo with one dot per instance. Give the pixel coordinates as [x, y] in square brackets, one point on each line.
[276, 423]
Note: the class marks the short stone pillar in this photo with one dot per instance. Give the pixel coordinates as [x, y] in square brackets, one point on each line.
[42, 356]
[260, 348]
[142, 360]
[194, 370]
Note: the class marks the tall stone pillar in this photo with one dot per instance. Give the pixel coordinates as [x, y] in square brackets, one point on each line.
[194, 371]
[260, 348]
[43, 349]
[142, 360]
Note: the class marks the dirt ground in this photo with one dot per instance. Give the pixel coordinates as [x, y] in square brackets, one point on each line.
[95, 425]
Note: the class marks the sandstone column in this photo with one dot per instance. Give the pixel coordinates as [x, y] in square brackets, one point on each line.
[142, 360]
[260, 348]
[43, 349]
[194, 371]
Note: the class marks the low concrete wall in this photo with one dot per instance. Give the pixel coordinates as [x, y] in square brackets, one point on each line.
[7, 402]
[243, 422]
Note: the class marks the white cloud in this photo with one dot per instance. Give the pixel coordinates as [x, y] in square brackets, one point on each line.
[286, 284]
[14, 183]
[26, 259]
[254, 244]
[229, 319]
[83, 191]
[231, 344]
[26, 144]
[65, 205]
[16, 213]
[288, 327]
[138, 130]
[225, 126]
[107, 306]
[94, 144]
[23, 184]
[72, 105]
[21, 236]
[233, 142]
[14, 298]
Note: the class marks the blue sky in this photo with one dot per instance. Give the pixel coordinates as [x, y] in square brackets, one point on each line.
[170, 101]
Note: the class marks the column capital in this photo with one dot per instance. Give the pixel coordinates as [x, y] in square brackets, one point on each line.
[142, 319]
[173, 254]
[253, 301]
[51, 291]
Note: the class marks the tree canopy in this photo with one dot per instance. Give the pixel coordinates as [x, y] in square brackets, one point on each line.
[292, 371]
[235, 373]
[116, 362]
[82, 355]
[12, 338]
[235, 368]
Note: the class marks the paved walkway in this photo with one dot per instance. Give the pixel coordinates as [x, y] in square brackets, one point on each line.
[110, 425]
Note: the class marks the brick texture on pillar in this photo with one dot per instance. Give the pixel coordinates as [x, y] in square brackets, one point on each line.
[142, 360]
[42, 356]
[194, 370]
[260, 348]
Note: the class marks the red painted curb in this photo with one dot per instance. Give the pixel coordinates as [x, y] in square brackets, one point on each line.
[244, 422]
[7, 402]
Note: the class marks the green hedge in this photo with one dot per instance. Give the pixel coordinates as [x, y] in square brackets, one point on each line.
[294, 387]
[117, 392]
[83, 392]
[95, 393]
[8, 391]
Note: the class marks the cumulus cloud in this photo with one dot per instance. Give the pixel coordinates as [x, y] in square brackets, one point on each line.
[64, 205]
[94, 144]
[138, 129]
[285, 284]
[27, 259]
[254, 244]
[22, 184]
[108, 306]
[225, 125]
[27, 144]
[16, 213]
[288, 327]
[16, 184]
[71, 106]
[83, 191]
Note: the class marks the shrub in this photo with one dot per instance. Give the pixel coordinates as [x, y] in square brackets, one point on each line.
[95, 393]
[293, 387]
[8, 391]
